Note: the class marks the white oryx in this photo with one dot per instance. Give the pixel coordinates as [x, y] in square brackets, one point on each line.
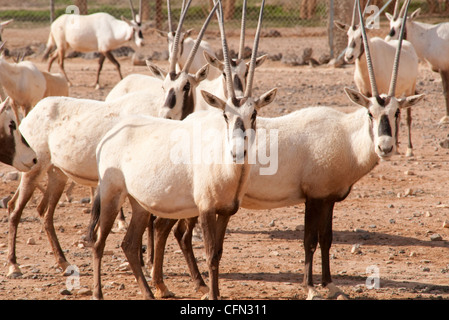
[383, 53]
[316, 167]
[97, 32]
[153, 183]
[186, 43]
[26, 85]
[431, 42]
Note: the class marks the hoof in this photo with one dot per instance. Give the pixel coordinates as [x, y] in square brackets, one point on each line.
[14, 272]
[164, 294]
[68, 270]
[444, 120]
[313, 294]
[336, 293]
[203, 289]
[97, 86]
[409, 152]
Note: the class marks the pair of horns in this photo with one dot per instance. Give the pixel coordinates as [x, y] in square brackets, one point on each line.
[134, 13]
[354, 13]
[401, 13]
[394, 74]
[175, 48]
[227, 68]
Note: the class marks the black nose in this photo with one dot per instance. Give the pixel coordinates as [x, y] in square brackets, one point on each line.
[34, 160]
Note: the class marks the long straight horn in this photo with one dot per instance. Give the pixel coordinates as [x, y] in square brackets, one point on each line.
[372, 79]
[354, 12]
[242, 31]
[394, 74]
[227, 63]
[198, 40]
[404, 7]
[396, 11]
[175, 49]
[140, 11]
[170, 24]
[132, 10]
[252, 66]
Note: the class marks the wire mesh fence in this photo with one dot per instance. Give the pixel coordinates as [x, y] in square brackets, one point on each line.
[278, 13]
[286, 14]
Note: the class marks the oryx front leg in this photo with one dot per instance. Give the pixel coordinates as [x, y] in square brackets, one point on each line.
[183, 233]
[209, 226]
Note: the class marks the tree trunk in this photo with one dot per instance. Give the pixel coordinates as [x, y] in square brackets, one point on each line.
[146, 10]
[82, 6]
[342, 13]
[229, 8]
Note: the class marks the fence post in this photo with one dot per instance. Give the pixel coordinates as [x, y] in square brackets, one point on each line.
[52, 11]
[331, 28]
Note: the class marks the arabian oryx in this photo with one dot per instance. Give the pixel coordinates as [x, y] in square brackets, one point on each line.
[431, 42]
[97, 32]
[383, 57]
[315, 167]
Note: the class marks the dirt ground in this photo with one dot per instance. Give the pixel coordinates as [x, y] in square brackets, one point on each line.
[391, 213]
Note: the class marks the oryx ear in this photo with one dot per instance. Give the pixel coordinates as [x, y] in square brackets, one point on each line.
[155, 70]
[212, 100]
[357, 97]
[127, 21]
[213, 61]
[389, 16]
[259, 61]
[266, 99]
[188, 33]
[415, 13]
[341, 26]
[202, 73]
[410, 101]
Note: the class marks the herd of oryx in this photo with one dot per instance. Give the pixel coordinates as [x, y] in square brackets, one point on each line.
[121, 146]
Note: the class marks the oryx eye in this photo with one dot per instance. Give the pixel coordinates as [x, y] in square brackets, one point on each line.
[370, 115]
[225, 117]
[186, 86]
[12, 125]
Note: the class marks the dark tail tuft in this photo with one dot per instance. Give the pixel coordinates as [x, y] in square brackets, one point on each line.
[94, 218]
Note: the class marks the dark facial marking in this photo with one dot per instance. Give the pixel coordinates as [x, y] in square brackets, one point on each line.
[8, 147]
[171, 99]
[239, 125]
[237, 83]
[384, 126]
[139, 34]
[392, 32]
[253, 120]
[188, 104]
[12, 126]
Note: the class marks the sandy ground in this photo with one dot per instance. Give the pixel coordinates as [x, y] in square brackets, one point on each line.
[391, 213]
